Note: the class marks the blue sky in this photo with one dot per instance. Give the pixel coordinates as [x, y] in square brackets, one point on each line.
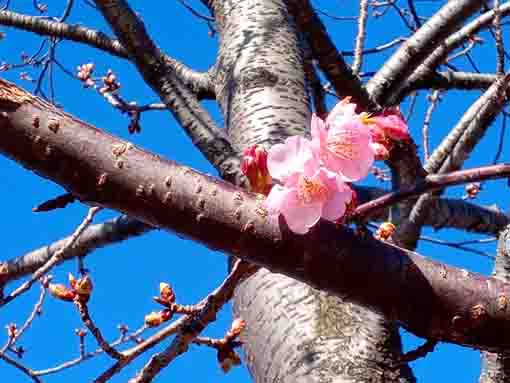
[126, 276]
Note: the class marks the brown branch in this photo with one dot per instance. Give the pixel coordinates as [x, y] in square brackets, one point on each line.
[55, 259]
[330, 60]
[496, 366]
[432, 183]
[162, 77]
[384, 85]
[188, 328]
[87, 321]
[454, 306]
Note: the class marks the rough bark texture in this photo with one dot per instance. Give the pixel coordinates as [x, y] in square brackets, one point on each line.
[309, 336]
[454, 306]
[496, 366]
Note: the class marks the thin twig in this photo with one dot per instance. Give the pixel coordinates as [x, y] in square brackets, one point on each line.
[431, 183]
[87, 321]
[360, 37]
[54, 259]
[433, 100]
[498, 36]
[456, 246]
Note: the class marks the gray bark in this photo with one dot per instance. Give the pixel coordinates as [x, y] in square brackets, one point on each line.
[295, 333]
[496, 366]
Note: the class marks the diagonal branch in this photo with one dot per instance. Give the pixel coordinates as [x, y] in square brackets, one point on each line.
[94, 237]
[384, 86]
[329, 58]
[432, 62]
[455, 149]
[454, 306]
[162, 78]
[200, 83]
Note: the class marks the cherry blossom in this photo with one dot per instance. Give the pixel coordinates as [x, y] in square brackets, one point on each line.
[308, 191]
[344, 145]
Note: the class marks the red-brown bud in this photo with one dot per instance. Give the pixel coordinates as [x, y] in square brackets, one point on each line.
[228, 358]
[385, 231]
[61, 292]
[166, 293]
[156, 318]
[254, 166]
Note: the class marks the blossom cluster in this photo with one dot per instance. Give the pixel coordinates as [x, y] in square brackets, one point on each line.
[314, 176]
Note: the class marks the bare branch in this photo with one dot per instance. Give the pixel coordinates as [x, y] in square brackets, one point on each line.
[385, 84]
[456, 147]
[452, 42]
[87, 321]
[360, 37]
[330, 258]
[27, 371]
[56, 258]
[432, 183]
[162, 78]
[329, 58]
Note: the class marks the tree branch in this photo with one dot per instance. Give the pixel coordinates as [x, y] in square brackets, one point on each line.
[329, 58]
[432, 183]
[454, 306]
[496, 366]
[162, 78]
[384, 86]
[199, 82]
[94, 237]
[425, 70]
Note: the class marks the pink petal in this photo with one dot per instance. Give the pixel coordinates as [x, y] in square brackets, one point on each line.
[300, 218]
[340, 195]
[349, 151]
[343, 109]
[276, 199]
[290, 157]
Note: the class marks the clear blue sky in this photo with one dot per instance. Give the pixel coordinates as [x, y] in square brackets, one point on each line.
[126, 276]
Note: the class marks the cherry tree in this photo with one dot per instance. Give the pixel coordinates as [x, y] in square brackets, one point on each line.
[313, 301]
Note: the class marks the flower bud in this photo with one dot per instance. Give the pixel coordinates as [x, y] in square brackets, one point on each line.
[61, 292]
[392, 123]
[254, 166]
[166, 293]
[155, 318]
[228, 358]
[385, 231]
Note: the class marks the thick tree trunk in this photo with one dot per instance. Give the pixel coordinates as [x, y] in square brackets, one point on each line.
[295, 333]
[496, 366]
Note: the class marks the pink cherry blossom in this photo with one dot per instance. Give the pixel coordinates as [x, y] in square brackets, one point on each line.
[309, 191]
[344, 145]
[293, 156]
[342, 111]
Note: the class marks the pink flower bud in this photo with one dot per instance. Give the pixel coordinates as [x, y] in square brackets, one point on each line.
[254, 166]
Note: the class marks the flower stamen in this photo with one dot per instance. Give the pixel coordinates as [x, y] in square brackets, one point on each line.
[310, 191]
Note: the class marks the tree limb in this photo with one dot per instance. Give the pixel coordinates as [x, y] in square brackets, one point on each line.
[200, 83]
[161, 77]
[454, 306]
[385, 84]
[329, 58]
